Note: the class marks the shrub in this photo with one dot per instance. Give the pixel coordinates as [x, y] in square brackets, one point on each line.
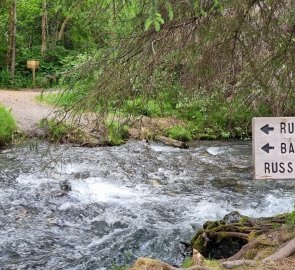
[117, 133]
[7, 126]
[179, 133]
[55, 130]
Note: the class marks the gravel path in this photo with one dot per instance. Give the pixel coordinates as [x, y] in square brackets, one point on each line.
[25, 109]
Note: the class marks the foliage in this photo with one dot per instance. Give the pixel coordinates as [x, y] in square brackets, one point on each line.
[179, 133]
[291, 218]
[55, 130]
[62, 99]
[187, 59]
[213, 264]
[187, 263]
[7, 127]
[117, 132]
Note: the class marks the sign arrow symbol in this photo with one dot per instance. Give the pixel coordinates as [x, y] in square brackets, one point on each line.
[266, 129]
[267, 147]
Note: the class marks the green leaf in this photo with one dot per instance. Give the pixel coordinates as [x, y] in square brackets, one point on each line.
[159, 18]
[170, 11]
[148, 24]
[157, 26]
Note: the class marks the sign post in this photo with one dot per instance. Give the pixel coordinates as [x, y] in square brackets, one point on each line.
[33, 65]
[273, 140]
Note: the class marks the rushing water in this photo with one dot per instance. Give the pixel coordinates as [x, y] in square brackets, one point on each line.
[135, 200]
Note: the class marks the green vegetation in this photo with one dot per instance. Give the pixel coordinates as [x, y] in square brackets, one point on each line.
[203, 118]
[7, 126]
[187, 263]
[291, 218]
[190, 60]
[55, 130]
[179, 133]
[213, 264]
[117, 133]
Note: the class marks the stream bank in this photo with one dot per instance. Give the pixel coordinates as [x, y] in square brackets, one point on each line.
[237, 242]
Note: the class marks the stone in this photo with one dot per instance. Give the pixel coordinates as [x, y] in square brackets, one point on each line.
[151, 264]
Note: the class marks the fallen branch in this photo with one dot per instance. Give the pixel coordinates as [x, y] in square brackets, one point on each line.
[171, 142]
[237, 263]
[243, 250]
[284, 252]
[231, 235]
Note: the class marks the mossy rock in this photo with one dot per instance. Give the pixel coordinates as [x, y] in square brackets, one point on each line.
[223, 238]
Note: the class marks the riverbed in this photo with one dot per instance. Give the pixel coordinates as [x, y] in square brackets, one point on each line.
[66, 207]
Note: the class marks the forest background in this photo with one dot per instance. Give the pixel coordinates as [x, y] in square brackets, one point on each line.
[213, 64]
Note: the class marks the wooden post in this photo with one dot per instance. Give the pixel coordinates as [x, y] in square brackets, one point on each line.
[34, 75]
[33, 65]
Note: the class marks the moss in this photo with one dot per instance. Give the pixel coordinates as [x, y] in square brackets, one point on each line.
[198, 241]
[209, 225]
[213, 264]
[187, 263]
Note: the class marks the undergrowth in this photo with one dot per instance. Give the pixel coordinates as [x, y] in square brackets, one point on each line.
[117, 133]
[203, 117]
[55, 131]
[7, 126]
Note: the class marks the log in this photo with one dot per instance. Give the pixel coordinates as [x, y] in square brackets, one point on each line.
[197, 267]
[243, 250]
[282, 253]
[171, 142]
[237, 263]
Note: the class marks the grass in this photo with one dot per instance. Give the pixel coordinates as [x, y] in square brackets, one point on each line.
[291, 218]
[203, 117]
[7, 126]
[187, 263]
[213, 264]
[117, 133]
[55, 130]
[64, 99]
[180, 133]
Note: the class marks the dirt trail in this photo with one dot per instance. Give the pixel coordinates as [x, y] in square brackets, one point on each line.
[25, 109]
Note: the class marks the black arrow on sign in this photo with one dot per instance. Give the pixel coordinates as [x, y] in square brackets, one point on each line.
[266, 148]
[266, 129]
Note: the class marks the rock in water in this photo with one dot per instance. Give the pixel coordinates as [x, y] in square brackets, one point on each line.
[223, 238]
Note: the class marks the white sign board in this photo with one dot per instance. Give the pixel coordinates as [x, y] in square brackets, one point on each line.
[273, 140]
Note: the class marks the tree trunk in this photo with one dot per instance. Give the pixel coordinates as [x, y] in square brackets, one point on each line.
[44, 27]
[11, 52]
[62, 28]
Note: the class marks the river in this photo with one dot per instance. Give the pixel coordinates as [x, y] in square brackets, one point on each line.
[65, 207]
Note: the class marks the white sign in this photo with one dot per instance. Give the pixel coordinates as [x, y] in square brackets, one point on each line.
[273, 140]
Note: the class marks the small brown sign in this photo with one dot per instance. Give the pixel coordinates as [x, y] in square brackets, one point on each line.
[273, 142]
[32, 64]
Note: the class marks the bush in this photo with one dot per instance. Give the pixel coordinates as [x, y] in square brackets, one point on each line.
[7, 126]
[117, 133]
[55, 130]
[180, 133]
